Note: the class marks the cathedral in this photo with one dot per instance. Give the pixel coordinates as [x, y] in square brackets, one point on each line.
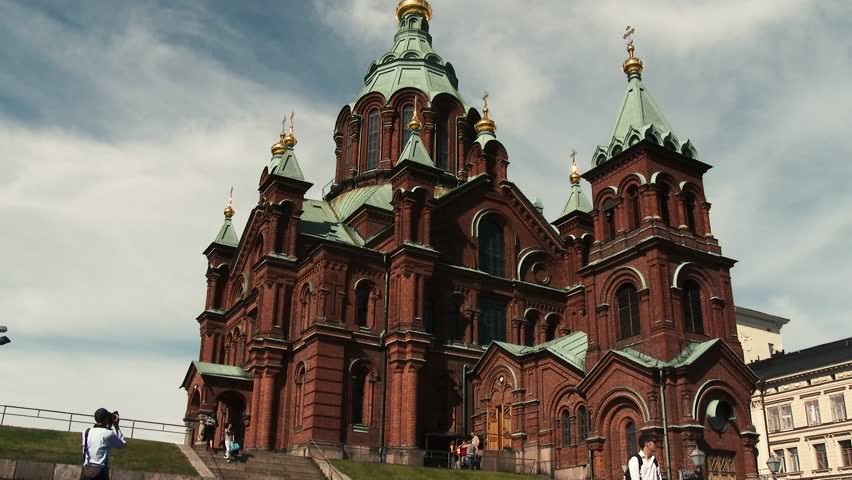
[425, 297]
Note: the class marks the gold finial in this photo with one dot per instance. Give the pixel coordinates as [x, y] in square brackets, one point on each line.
[633, 65]
[229, 209]
[575, 175]
[290, 139]
[415, 124]
[414, 6]
[486, 124]
[278, 148]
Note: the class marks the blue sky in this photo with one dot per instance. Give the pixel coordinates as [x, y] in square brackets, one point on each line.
[123, 124]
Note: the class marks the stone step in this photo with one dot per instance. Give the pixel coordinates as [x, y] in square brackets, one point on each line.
[262, 465]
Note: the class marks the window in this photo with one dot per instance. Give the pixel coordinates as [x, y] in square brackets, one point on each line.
[773, 420]
[628, 312]
[583, 423]
[359, 379]
[300, 395]
[609, 220]
[491, 247]
[492, 321]
[691, 301]
[689, 210]
[821, 456]
[407, 113]
[630, 442]
[550, 333]
[529, 332]
[812, 412]
[780, 418]
[838, 408]
[780, 455]
[373, 140]
[794, 460]
[635, 209]
[453, 322]
[663, 203]
[566, 428]
[362, 303]
[442, 143]
[845, 452]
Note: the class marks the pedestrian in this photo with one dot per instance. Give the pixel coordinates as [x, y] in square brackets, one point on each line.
[98, 441]
[463, 459]
[208, 433]
[643, 465]
[230, 442]
[477, 452]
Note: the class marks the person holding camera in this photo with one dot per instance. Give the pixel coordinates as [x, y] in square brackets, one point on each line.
[98, 441]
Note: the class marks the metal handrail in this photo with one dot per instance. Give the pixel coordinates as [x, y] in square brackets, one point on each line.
[331, 466]
[136, 425]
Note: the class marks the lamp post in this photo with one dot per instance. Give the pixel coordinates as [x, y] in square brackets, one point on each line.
[4, 339]
[697, 457]
[774, 464]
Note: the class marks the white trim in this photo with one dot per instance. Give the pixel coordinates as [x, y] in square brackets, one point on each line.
[677, 272]
[477, 217]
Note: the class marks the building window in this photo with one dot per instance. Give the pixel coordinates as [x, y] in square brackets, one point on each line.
[492, 321]
[550, 333]
[583, 423]
[689, 211]
[663, 203]
[634, 207]
[491, 247]
[630, 442]
[628, 312]
[359, 391]
[442, 143]
[407, 113]
[794, 460]
[846, 452]
[691, 301]
[780, 455]
[373, 140]
[300, 395]
[566, 428]
[780, 418]
[453, 322]
[529, 332]
[609, 220]
[838, 408]
[812, 412]
[821, 456]
[362, 303]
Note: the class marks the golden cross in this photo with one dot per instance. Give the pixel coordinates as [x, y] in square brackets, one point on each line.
[628, 35]
[485, 100]
[284, 125]
[573, 157]
[292, 114]
[231, 197]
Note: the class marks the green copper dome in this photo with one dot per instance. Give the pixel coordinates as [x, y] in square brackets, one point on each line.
[411, 63]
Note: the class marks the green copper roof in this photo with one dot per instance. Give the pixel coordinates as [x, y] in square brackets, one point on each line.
[222, 371]
[227, 236]
[570, 348]
[687, 356]
[577, 201]
[640, 118]
[319, 219]
[378, 196]
[411, 62]
[414, 151]
[286, 165]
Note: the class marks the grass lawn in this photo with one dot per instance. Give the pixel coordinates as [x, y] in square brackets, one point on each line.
[62, 447]
[374, 471]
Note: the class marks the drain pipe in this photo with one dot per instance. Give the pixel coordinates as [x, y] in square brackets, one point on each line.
[765, 422]
[385, 353]
[665, 426]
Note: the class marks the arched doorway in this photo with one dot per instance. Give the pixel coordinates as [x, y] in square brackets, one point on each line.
[232, 407]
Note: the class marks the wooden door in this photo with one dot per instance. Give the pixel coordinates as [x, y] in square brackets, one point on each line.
[721, 466]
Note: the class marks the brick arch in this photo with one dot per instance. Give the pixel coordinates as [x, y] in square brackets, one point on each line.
[501, 369]
[687, 186]
[635, 178]
[660, 177]
[691, 271]
[605, 194]
[618, 277]
[478, 216]
[617, 399]
[368, 102]
[710, 387]
[525, 255]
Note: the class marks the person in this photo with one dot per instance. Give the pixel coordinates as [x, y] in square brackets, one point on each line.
[208, 433]
[98, 441]
[452, 460]
[476, 453]
[463, 454]
[230, 443]
[643, 465]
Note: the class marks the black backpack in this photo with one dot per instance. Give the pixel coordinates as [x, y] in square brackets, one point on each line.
[639, 458]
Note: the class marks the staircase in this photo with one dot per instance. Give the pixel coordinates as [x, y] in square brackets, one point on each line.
[261, 466]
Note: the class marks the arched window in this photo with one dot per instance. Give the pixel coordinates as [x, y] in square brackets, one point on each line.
[631, 445]
[663, 203]
[492, 320]
[689, 210]
[359, 390]
[453, 327]
[691, 300]
[442, 143]
[583, 423]
[628, 311]
[362, 303]
[550, 332]
[566, 428]
[305, 307]
[491, 247]
[635, 211]
[300, 396]
[373, 140]
[407, 112]
[609, 220]
[529, 332]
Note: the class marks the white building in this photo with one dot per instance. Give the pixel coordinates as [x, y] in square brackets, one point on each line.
[760, 333]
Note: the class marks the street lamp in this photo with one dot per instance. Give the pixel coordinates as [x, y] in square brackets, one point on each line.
[774, 464]
[4, 339]
[697, 457]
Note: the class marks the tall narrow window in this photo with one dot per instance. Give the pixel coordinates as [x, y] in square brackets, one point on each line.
[628, 311]
[846, 452]
[838, 407]
[453, 322]
[362, 303]
[300, 394]
[492, 321]
[359, 379]
[794, 460]
[634, 207]
[491, 247]
[373, 140]
[689, 210]
[609, 220]
[821, 456]
[630, 442]
[780, 454]
[550, 333]
[583, 423]
[407, 113]
[812, 411]
[529, 330]
[691, 300]
[663, 203]
[774, 419]
[566, 428]
[786, 412]
[442, 143]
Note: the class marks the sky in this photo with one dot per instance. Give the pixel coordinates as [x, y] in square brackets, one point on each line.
[124, 124]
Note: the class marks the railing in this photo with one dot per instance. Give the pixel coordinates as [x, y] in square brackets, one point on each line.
[16, 416]
[333, 472]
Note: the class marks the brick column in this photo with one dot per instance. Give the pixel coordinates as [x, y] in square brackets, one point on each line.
[705, 219]
[387, 138]
[409, 410]
[251, 433]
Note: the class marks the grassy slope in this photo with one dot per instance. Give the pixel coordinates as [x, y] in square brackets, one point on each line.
[373, 471]
[62, 447]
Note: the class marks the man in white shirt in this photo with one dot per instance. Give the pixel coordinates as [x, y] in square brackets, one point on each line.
[643, 465]
[98, 441]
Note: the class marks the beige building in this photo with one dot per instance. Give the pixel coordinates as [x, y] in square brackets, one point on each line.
[802, 401]
[760, 333]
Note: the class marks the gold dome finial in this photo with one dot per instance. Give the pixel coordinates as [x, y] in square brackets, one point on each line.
[575, 174]
[278, 147]
[229, 209]
[290, 139]
[415, 123]
[486, 124]
[633, 65]
[414, 6]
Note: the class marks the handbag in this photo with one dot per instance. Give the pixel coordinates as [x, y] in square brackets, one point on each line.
[89, 471]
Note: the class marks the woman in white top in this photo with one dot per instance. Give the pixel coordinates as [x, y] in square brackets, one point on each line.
[229, 440]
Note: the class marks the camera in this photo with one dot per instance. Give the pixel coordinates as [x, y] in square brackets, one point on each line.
[114, 418]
